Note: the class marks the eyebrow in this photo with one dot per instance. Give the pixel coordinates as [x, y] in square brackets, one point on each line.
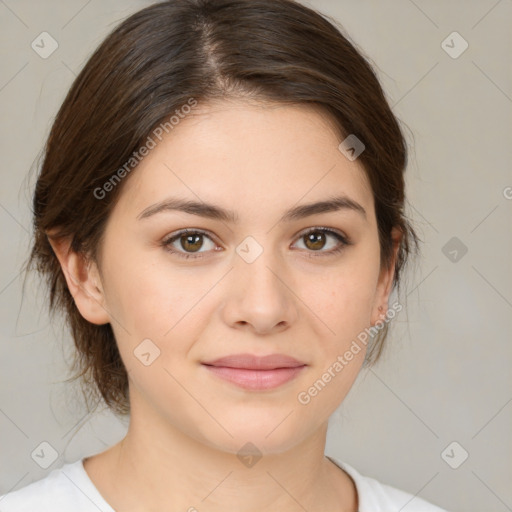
[214, 212]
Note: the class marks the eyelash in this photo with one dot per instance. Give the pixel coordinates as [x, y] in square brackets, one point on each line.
[344, 241]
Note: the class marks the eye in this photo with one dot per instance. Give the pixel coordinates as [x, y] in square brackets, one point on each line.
[188, 243]
[189, 240]
[315, 239]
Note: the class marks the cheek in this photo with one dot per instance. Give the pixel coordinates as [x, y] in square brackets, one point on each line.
[343, 298]
[138, 293]
[153, 299]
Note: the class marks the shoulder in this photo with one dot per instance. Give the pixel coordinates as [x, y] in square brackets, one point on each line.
[375, 496]
[64, 489]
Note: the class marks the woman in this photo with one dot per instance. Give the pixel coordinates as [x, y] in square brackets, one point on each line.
[220, 215]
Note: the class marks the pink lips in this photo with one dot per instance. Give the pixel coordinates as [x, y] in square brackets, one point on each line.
[256, 373]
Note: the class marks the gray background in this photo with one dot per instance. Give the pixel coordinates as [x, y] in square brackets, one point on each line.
[445, 375]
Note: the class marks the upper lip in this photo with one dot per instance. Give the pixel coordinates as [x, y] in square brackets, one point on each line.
[253, 362]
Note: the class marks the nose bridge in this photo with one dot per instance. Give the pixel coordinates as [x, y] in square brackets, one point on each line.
[258, 294]
[257, 267]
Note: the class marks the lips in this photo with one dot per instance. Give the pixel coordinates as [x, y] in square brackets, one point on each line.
[255, 373]
[253, 362]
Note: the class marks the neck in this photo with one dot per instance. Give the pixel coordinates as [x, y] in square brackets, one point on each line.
[160, 467]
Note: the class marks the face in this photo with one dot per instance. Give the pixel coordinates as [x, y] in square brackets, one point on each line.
[252, 280]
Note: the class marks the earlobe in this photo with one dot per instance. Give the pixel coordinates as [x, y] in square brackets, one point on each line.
[83, 280]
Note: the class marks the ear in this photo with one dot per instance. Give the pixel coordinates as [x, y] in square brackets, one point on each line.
[83, 280]
[385, 282]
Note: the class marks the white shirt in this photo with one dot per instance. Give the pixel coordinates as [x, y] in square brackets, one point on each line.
[69, 489]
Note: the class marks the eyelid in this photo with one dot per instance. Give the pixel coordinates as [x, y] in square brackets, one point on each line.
[168, 240]
[324, 229]
[186, 231]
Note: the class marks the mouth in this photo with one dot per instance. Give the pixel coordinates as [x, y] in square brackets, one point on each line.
[255, 373]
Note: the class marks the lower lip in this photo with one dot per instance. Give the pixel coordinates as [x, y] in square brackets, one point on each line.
[256, 379]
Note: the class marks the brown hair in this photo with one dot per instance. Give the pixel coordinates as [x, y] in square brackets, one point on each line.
[150, 66]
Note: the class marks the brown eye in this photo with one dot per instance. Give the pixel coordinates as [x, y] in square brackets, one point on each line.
[187, 242]
[317, 239]
[191, 242]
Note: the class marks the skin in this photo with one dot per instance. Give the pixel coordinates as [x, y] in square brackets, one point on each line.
[187, 425]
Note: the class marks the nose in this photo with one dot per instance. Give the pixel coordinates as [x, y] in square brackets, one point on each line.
[260, 296]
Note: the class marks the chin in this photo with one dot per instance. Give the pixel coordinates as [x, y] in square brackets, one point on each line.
[267, 436]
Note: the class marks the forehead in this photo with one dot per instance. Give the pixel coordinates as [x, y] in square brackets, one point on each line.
[248, 156]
